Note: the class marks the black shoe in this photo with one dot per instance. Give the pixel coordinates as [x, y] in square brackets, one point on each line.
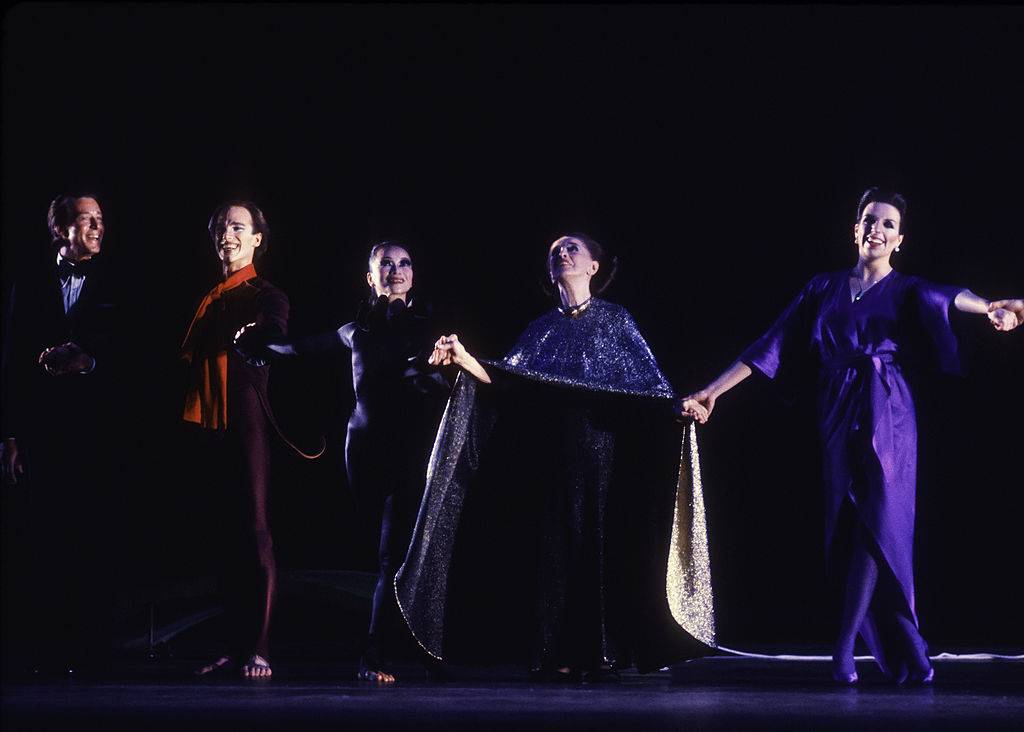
[604, 674]
[436, 669]
[922, 678]
[844, 669]
[844, 679]
[553, 675]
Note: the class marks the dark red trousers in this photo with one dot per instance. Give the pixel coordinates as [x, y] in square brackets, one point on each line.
[235, 464]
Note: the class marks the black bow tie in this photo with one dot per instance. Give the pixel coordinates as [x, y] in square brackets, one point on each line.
[67, 268]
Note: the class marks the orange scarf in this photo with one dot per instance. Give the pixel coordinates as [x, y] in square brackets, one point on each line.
[206, 397]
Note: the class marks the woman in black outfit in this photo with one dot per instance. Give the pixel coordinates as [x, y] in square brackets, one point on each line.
[399, 400]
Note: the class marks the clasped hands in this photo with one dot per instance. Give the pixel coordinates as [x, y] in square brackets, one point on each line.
[1006, 314]
[251, 345]
[67, 358]
[448, 350]
[697, 405]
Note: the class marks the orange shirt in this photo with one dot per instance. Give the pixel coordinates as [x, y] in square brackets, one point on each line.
[206, 397]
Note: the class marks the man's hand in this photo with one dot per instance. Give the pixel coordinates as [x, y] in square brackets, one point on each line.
[11, 461]
[251, 344]
[68, 358]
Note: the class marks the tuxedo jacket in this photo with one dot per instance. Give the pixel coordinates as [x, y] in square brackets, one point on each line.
[36, 405]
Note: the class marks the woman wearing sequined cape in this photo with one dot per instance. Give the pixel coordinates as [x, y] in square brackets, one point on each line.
[858, 324]
[606, 522]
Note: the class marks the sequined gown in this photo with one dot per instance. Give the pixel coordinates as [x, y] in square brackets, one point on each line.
[605, 590]
[867, 422]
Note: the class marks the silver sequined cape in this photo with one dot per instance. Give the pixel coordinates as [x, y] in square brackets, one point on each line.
[600, 351]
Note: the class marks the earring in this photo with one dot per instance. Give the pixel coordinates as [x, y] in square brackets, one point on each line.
[897, 249]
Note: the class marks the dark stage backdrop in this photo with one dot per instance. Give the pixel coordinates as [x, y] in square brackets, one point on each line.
[719, 152]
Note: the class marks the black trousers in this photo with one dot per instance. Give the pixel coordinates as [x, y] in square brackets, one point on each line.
[58, 563]
[386, 473]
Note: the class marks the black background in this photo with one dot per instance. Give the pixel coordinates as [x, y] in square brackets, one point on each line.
[719, 152]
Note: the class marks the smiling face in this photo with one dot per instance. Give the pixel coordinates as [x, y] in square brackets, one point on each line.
[84, 236]
[569, 258]
[877, 232]
[234, 239]
[390, 272]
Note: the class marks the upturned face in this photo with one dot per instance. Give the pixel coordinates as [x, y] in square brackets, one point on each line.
[391, 273]
[569, 258]
[877, 233]
[235, 240]
[85, 234]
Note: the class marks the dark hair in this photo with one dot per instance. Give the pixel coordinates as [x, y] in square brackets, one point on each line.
[605, 273]
[61, 213]
[876, 194]
[259, 223]
[376, 248]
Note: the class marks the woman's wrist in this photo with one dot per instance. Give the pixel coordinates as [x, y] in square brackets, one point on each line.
[715, 388]
[969, 302]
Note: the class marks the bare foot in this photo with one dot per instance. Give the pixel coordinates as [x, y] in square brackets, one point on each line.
[377, 677]
[209, 668]
[257, 667]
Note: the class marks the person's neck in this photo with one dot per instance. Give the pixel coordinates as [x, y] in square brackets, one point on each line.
[392, 297]
[72, 254]
[871, 270]
[229, 268]
[573, 293]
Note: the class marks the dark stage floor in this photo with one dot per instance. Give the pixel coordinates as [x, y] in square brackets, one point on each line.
[710, 694]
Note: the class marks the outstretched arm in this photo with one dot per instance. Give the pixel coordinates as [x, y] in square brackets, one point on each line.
[255, 344]
[700, 404]
[449, 350]
[1002, 318]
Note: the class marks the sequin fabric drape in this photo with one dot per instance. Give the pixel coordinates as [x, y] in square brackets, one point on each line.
[584, 373]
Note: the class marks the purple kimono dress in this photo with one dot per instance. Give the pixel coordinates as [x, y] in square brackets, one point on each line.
[866, 420]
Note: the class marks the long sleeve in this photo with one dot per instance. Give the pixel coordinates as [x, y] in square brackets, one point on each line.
[317, 344]
[933, 304]
[8, 368]
[272, 317]
[789, 332]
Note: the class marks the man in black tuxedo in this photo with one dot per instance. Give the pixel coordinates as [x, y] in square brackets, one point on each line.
[58, 367]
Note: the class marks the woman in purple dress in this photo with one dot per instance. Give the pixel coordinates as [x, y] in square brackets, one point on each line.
[855, 323]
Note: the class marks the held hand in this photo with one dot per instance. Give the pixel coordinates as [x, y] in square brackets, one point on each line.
[11, 461]
[697, 405]
[1006, 314]
[67, 358]
[1003, 319]
[686, 409]
[441, 355]
[250, 345]
[449, 350]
